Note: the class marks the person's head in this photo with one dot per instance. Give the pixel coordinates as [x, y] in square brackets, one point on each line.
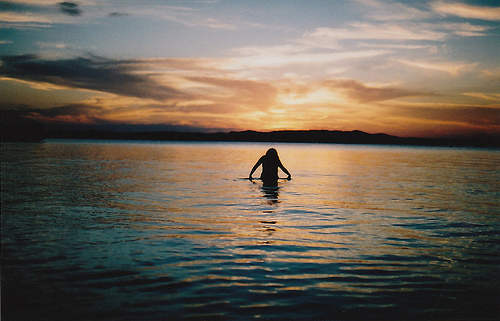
[272, 153]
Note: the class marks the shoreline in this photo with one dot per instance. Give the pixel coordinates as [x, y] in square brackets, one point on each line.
[355, 137]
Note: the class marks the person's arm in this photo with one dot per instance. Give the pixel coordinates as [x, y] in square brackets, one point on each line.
[255, 167]
[285, 171]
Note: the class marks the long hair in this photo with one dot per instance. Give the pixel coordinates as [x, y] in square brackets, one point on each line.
[272, 154]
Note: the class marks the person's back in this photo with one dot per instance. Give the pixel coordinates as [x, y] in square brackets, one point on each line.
[270, 164]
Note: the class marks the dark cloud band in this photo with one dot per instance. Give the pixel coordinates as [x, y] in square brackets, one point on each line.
[93, 73]
[70, 8]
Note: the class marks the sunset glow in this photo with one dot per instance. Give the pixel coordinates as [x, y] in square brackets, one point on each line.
[427, 68]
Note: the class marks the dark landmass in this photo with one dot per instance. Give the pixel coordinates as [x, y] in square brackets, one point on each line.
[285, 136]
[16, 128]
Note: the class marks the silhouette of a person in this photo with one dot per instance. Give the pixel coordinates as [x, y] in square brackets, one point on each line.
[270, 164]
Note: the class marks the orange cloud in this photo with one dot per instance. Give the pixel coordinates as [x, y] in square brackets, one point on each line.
[452, 68]
[361, 93]
[260, 95]
[203, 94]
[466, 11]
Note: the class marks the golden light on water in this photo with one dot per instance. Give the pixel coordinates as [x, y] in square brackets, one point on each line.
[175, 228]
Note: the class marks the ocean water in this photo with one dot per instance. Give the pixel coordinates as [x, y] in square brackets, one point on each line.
[102, 230]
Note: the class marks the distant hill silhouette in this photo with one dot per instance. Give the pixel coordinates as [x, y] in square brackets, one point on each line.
[16, 128]
[284, 136]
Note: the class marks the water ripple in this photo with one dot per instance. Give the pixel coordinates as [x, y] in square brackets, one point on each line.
[361, 233]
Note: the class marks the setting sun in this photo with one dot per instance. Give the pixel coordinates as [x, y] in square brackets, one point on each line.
[411, 69]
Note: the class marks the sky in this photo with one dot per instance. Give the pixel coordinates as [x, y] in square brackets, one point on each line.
[426, 68]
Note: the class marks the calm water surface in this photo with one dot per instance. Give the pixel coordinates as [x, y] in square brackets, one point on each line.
[168, 231]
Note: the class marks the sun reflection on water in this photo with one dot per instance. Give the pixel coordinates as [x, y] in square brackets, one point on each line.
[170, 229]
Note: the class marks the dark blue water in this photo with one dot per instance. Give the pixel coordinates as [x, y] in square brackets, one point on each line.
[169, 231]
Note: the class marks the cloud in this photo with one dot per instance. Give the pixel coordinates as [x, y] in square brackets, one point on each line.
[260, 95]
[212, 93]
[70, 8]
[58, 45]
[466, 11]
[396, 30]
[81, 110]
[19, 17]
[393, 11]
[362, 93]
[92, 73]
[125, 111]
[484, 96]
[145, 91]
[463, 29]
[34, 2]
[76, 113]
[468, 115]
[36, 14]
[491, 74]
[285, 56]
[452, 68]
[184, 15]
[101, 110]
[118, 14]
[329, 37]
[217, 24]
